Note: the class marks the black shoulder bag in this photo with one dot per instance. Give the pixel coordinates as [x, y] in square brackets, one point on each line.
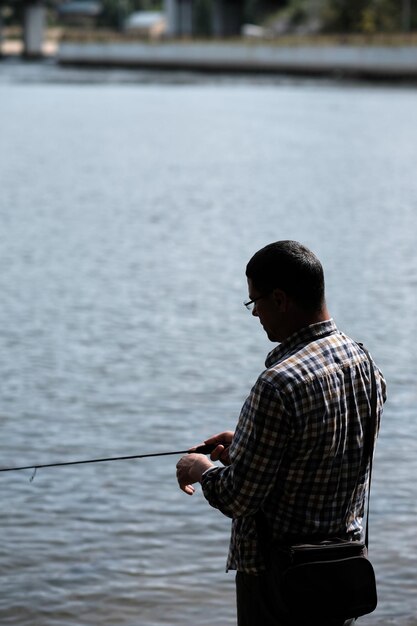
[332, 579]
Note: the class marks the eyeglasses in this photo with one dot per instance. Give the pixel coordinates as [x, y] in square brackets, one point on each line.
[251, 304]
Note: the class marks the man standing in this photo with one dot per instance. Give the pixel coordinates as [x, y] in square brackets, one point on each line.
[296, 460]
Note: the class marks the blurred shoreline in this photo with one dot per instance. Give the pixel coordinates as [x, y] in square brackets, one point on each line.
[376, 57]
[11, 42]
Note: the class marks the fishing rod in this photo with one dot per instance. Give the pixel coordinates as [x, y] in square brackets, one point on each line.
[203, 449]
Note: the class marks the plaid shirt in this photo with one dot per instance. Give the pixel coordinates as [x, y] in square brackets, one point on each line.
[297, 452]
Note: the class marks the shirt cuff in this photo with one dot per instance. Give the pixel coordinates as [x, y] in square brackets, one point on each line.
[210, 469]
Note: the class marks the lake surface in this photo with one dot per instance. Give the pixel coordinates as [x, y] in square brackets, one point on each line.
[130, 203]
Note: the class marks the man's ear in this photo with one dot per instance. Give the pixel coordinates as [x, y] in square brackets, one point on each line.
[280, 299]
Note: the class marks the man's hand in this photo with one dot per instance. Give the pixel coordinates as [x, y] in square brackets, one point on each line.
[190, 468]
[221, 451]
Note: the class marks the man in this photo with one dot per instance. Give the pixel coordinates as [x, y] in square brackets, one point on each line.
[296, 459]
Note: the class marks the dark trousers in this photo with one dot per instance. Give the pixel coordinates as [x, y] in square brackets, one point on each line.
[259, 603]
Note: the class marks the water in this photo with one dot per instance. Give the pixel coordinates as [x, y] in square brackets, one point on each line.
[130, 204]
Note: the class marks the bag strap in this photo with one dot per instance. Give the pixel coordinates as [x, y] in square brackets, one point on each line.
[370, 434]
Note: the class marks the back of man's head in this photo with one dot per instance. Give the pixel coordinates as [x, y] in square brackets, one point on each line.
[290, 266]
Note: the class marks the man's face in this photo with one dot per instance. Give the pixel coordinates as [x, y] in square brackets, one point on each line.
[268, 311]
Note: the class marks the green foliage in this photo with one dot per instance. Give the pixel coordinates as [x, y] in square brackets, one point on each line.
[344, 15]
[115, 11]
[335, 16]
[256, 11]
[202, 17]
[299, 12]
[355, 16]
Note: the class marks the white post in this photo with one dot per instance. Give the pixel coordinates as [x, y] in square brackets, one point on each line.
[33, 30]
[171, 17]
[186, 17]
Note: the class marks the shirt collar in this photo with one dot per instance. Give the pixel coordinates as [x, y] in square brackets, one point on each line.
[299, 339]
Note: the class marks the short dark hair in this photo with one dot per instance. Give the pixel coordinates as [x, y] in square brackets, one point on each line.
[290, 266]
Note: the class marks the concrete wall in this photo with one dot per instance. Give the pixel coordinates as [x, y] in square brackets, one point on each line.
[347, 60]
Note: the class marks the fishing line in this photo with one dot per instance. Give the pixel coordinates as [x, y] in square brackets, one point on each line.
[203, 449]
